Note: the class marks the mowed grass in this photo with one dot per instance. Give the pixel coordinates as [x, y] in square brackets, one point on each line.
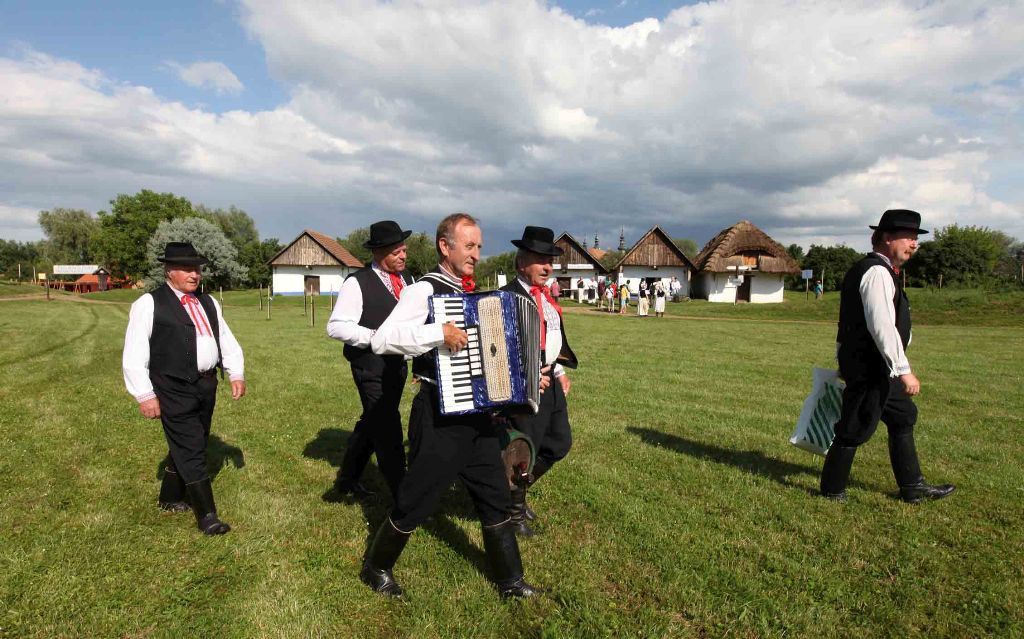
[681, 510]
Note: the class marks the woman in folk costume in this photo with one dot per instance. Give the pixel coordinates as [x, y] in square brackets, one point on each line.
[659, 298]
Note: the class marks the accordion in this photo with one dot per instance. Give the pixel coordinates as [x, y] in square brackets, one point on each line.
[500, 367]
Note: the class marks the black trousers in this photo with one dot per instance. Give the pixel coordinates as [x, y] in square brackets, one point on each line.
[186, 412]
[443, 449]
[549, 429]
[868, 401]
[380, 382]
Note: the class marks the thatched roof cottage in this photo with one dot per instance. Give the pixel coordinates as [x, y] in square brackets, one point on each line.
[742, 264]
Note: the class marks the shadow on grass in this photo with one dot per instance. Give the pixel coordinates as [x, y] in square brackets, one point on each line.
[329, 445]
[218, 453]
[751, 461]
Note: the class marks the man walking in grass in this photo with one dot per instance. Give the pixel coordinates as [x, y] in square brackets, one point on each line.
[174, 344]
[874, 332]
[549, 429]
[443, 448]
[366, 299]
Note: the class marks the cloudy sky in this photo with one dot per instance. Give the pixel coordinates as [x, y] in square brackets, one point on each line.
[807, 118]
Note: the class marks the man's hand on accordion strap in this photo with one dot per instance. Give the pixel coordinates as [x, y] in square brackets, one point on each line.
[545, 379]
[454, 338]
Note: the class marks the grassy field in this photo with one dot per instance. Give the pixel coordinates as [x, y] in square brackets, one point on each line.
[681, 511]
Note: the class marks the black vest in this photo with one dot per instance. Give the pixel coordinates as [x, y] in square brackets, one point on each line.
[172, 344]
[378, 302]
[423, 365]
[859, 357]
[566, 357]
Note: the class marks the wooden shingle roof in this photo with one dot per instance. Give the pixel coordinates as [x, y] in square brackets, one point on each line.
[655, 248]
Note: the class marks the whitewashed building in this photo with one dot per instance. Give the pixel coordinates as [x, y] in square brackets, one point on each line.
[743, 264]
[576, 262]
[655, 257]
[314, 264]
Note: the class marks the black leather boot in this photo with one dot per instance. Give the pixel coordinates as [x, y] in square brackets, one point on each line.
[200, 493]
[388, 544]
[172, 492]
[907, 469]
[836, 472]
[517, 515]
[506, 564]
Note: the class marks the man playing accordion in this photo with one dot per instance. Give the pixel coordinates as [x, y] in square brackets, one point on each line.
[444, 447]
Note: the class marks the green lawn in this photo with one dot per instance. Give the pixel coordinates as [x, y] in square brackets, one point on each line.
[681, 511]
[15, 289]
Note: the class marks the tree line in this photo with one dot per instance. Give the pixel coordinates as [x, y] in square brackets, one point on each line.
[126, 240]
[956, 256]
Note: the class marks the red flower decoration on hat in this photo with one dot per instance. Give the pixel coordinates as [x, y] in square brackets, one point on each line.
[468, 284]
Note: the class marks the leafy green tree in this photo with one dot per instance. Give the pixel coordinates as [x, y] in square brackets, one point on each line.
[13, 253]
[488, 268]
[796, 252]
[796, 282]
[254, 257]
[687, 246]
[832, 261]
[238, 227]
[209, 240]
[127, 228]
[70, 234]
[960, 256]
[611, 258]
[354, 243]
[420, 255]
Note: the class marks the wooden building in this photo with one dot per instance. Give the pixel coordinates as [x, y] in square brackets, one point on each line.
[655, 257]
[576, 262]
[743, 264]
[314, 264]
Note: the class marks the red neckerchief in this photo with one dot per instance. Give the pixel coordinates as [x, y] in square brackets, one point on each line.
[537, 292]
[191, 304]
[396, 284]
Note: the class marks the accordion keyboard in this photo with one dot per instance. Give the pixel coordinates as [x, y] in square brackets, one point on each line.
[460, 367]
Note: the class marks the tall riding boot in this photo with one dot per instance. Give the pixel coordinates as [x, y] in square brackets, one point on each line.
[200, 493]
[172, 492]
[388, 544]
[907, 469]
[517, 515]
[506, 564]
[836, 472]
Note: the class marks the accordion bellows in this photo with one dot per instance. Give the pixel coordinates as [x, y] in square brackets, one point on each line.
[500, 367]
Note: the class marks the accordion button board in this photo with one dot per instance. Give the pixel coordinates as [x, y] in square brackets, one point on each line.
[500, 366]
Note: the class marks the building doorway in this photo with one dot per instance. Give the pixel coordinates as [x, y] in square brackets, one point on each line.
[312, 285]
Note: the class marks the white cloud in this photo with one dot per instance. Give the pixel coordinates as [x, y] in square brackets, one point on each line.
[808, 118]
[19, 223]
[209, 75]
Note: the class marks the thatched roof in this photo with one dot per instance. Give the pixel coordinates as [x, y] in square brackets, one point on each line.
[727, 249]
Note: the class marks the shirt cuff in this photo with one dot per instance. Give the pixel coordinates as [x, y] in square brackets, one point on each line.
[434, 334]
[558, 371]
[145, 397]
[236, 378]
[900, 369]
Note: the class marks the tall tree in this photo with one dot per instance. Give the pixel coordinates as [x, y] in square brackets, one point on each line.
[421, 256]
[687, 246]
[796, 252]
[832, 261]
[210, 242]
[254, 257]
[13, 253]
[488, 268]
[354, 241]
[70, 234]
[238, 227]
[128, 227]
[960, 256]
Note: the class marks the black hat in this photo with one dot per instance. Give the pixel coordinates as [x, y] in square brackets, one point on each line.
[538, 239]
[900, 220]
[182, 253]
[385, 233]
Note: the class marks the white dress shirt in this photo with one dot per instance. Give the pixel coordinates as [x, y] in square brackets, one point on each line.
[876, 293]
[553, 336]
[405, 331]
[344, 322]
[135, 359]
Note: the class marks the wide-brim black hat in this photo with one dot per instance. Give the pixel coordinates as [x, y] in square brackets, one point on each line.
[182, 253]
[900, 220]
[385, 233]
[538, 239]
